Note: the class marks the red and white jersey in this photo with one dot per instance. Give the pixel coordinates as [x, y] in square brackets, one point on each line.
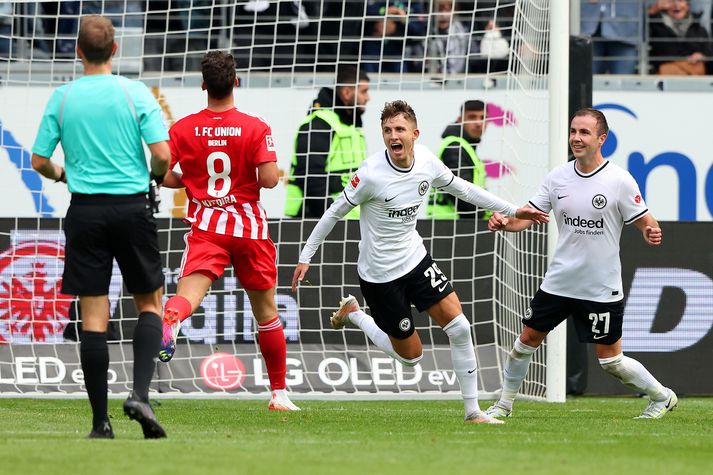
[218, 153]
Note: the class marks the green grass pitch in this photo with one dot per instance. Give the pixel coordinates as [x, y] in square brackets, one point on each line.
[585, 435]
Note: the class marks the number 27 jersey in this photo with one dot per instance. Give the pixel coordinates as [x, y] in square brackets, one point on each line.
[218, 153]
[591, 210]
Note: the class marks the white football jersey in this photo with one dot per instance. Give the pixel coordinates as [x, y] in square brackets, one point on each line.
[590, 210]
[390, 198]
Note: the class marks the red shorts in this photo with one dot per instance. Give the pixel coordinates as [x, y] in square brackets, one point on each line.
[209, 253]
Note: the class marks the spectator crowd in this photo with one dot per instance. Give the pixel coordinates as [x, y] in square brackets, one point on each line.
[433, 37]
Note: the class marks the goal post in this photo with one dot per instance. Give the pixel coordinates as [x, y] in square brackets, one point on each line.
[287, 51]
[558, 135]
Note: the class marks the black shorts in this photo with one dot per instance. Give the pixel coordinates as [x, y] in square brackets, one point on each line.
[390, 302]
[595, 322]
[99, 228]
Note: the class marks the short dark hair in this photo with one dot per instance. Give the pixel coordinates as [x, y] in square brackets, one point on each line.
[392, 109]
[350, 76]
[218, 69]
[470, 106]
[96, 38]
[602, 125]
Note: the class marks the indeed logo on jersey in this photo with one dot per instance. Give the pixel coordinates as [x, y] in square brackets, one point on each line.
[407, 214]
[591, 227]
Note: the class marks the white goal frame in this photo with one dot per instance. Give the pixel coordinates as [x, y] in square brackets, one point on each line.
[554, 349]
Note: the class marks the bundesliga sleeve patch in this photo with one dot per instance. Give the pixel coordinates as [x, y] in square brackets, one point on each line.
[270, 143]
[355, 181]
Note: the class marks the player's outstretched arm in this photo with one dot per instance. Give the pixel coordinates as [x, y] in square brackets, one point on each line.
[532, 214]
[650, 229]
[476, 195]
[499, 222]
[299, 275]
[334, 213]
[483, 198]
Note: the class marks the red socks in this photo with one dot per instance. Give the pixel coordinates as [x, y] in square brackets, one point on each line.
[274, 351]
[181, 305]
[270, 336]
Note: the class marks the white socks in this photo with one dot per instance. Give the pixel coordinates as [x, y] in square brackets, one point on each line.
[464, 363]
[462, 353]
[515, 371]
[633, 375]
[378, 337]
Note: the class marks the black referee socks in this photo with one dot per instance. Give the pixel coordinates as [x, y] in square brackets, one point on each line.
[94, 355]
[147, 343]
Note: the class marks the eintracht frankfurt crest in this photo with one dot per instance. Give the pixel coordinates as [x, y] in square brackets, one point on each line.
[32, 308]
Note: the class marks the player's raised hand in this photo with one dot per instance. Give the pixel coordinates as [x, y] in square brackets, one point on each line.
[532, 214]
[299, 274]
[497, 222]
[653, 235]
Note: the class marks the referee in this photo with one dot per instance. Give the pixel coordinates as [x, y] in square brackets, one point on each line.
[100, 119]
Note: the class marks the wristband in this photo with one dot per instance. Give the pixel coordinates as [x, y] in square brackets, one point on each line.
[157, 178]
[62, 177]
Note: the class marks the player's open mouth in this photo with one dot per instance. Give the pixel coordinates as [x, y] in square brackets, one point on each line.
[396, 147]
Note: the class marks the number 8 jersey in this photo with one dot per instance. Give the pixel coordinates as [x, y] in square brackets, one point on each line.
[218, 153]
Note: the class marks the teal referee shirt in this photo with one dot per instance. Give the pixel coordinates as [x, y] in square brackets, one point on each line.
[100, 120]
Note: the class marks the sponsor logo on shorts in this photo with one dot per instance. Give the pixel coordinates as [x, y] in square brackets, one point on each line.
[528, 313]
[405, 324]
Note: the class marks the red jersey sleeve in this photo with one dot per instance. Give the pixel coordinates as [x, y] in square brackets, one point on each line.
[173, 145]
[264, 150]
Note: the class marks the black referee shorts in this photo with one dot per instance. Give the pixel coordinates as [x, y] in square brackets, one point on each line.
[98, 229]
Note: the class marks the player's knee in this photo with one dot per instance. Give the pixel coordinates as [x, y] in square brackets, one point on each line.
[613, 365]
[410, 361]
[520, 350]
[458, 330]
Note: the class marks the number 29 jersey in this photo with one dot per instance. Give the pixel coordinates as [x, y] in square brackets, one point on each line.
[218, 153]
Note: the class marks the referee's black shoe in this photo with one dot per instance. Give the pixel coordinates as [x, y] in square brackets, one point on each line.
[103, 431]
[141, 412]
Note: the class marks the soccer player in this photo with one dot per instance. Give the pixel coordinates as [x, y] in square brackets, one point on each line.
[592, 199]
[100, 119]
[395, 270]
[225, 157]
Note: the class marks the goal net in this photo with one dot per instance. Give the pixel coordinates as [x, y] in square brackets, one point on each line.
[434, 54]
